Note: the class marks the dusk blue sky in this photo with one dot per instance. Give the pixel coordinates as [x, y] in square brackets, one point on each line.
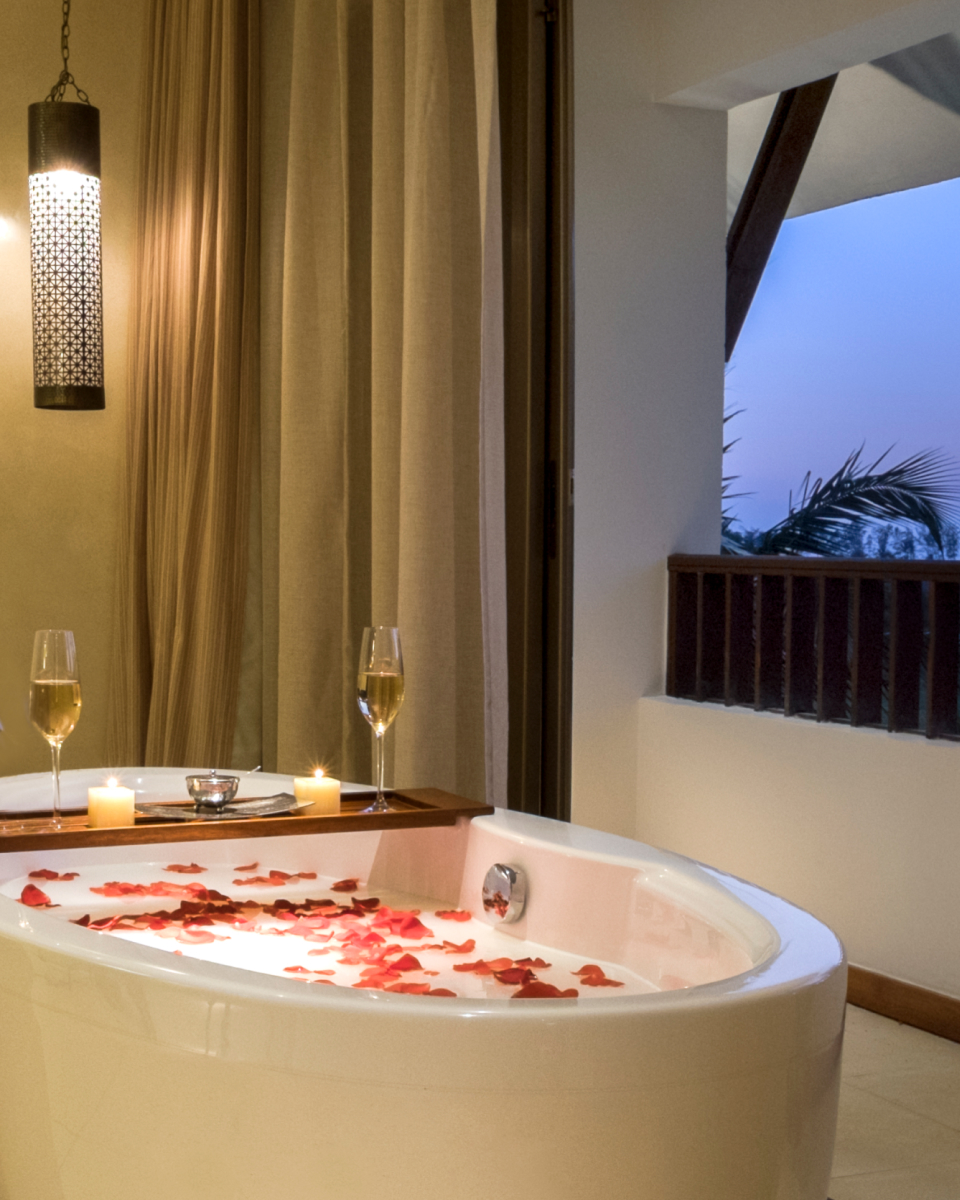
[853, 336]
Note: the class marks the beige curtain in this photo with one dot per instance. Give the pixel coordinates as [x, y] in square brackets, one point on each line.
[381, 390]
[194, 336]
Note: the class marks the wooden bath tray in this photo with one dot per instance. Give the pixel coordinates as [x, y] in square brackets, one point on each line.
[414, 809]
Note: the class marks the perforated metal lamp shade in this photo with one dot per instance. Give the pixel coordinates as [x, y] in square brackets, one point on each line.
[65, 255]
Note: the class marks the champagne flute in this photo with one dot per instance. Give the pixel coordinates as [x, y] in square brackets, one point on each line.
[380, 691]
[54, 696]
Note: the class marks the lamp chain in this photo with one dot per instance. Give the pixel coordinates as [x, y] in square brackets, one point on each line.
[66, 79]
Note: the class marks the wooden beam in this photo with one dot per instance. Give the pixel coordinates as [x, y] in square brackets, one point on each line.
[768, 193]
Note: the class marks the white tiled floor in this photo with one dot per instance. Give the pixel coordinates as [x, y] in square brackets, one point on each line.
[898, 1136]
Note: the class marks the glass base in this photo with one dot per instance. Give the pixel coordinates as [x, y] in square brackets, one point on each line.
[379, 805]
[48, 827]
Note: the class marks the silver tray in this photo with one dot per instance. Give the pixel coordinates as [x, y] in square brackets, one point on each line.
[262, 806]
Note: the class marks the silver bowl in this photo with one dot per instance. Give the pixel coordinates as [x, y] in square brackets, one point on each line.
[213, 790]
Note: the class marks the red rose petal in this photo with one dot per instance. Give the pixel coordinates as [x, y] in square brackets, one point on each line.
[191, 869]
[454, 914]
[198, 937]
[466, 947]
[249, 867]
[410, 989]
[46, 873]
[536, 964]
[298, 970]
[478, 968]
[406, 962]
[538, 990]
[344, 885]
[594, 976]
[380, 980]
[514, 975]
[441, 992]
[104, 925]
[34, 898]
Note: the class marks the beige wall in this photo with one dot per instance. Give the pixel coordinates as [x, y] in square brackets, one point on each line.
[650, 186]
[858, 826]
[59, 471]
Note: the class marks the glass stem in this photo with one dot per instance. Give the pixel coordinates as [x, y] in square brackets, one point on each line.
[381, 803]
[55, 755]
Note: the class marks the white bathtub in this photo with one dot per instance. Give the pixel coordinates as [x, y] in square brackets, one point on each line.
[131, 1073]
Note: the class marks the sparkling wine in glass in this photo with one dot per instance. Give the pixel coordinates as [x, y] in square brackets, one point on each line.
[380, 691]
[54, 696]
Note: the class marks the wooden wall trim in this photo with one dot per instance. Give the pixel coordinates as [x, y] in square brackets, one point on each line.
[904, 1002]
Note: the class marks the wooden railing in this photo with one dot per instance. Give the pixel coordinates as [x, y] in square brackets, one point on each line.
[867, 641]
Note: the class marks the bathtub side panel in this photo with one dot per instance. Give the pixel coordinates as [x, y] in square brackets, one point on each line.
[118, 1084]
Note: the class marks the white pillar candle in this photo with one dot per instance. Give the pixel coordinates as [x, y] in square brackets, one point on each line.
[317, 793]
[109, 806]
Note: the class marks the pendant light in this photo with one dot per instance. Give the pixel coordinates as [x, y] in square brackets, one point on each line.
[64, 141]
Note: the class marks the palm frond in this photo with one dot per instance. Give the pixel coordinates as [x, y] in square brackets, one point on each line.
[922, 490]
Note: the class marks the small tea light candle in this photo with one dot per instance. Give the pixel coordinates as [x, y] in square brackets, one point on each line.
[318, 794]
[109, 806]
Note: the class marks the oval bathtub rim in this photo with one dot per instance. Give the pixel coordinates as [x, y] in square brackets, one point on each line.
[692, 885]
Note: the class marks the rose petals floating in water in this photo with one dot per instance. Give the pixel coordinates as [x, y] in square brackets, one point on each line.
[274, 879]
[34, 898]
[593, 976]
[351, 926]
[249, 867]
[195, 891]
[46, 873]
[537, 990]
[401, 924]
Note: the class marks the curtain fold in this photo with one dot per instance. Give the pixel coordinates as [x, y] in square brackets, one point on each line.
[381, 387]
[194, 379]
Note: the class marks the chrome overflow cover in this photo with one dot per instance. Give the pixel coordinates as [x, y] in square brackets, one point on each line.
[504, 892]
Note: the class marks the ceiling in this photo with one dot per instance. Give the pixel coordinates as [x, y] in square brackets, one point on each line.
[890, 125]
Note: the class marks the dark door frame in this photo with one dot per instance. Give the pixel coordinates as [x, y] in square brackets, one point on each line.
[534, 43]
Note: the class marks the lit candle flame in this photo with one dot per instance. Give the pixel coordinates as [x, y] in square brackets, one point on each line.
[318, 773]
[112, 782]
